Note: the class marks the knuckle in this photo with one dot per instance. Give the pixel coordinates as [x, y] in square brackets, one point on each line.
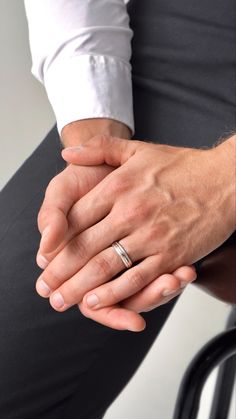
[74, 218]
[153, 235]
[111, 296]
[121, 183]
[102, 266]
[171, 282]
[117, 185]
[53, 182]
[79, 248]
[51, 277]
[137, 280]
[137, 211]
[51, 186]
[43, 216]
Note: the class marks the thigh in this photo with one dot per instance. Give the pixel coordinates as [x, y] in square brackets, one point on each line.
[53, 364]
[184, 70]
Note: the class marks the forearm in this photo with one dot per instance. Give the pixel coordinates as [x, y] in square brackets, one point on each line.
[78, 132]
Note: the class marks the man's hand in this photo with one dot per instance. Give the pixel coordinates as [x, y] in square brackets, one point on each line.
[76, 257]
[57, 224]
[62, 191]
[168, 206]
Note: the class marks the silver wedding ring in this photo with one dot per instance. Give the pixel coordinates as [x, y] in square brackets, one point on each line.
[120, 250]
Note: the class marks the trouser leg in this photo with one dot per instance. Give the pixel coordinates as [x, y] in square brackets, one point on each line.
[53, 365]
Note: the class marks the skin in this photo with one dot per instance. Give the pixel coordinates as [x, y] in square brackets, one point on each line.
[147, 200]
[163, 218]
[61, 216]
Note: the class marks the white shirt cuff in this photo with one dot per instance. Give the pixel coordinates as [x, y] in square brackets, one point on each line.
[90, 86]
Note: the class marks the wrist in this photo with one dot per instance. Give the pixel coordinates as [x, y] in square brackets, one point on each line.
[225, 154]
[78, 132]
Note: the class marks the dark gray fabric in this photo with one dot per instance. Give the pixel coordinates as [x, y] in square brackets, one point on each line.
[63, 365]
[184, 70]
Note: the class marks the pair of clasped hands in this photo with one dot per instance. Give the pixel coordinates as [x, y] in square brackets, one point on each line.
[164, 204]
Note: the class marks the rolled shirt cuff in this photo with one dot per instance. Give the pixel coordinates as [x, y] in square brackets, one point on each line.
[90, 86]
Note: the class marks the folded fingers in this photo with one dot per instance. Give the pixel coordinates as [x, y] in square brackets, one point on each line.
[97, 270]
[146, 300]
[161, 290]
[76, 254]
[64, 208]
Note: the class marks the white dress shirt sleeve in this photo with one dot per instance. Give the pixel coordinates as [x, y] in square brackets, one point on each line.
[81, 52]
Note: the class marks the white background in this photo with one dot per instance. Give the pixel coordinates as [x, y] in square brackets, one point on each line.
[26, 117]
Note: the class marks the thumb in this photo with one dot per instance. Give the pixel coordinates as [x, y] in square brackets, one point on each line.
[101, 149]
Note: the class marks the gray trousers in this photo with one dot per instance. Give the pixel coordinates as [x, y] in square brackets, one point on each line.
[63, 365]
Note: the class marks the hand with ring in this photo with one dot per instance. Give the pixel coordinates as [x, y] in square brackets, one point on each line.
[71, 184]
[151, 205]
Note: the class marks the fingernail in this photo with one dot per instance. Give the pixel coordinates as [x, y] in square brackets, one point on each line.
[42, 288]
[132, 329]
[42, 262]
[92, 300]
[183, 284]
[74, 149]
[57, 300]
[165, 293]
[150, 308]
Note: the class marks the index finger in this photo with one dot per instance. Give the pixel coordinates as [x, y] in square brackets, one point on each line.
[61, 194]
